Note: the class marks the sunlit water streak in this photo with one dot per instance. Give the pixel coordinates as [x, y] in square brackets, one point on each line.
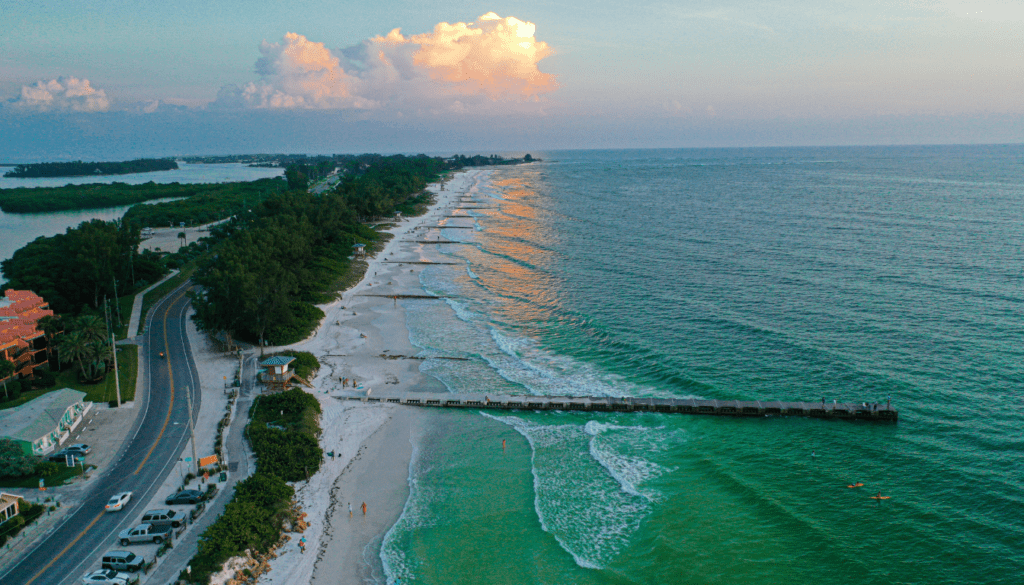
[849, 274]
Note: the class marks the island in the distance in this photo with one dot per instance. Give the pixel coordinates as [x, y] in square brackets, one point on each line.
[82, 169]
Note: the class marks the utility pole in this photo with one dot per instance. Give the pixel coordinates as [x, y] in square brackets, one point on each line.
[191, 429]
[117, 303]
[117, 376]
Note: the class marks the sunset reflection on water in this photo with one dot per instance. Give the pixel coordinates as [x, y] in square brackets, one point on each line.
[514, 263]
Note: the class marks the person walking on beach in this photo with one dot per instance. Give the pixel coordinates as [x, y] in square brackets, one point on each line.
[364, 508]
[350, 509]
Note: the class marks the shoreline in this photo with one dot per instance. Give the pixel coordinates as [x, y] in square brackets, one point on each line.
[373, 444]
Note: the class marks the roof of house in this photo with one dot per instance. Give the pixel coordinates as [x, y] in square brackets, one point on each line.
[39, 416]
[7, 500]
[19, 312]
[277, 360]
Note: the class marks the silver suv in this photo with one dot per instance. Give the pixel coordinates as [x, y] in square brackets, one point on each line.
[174, 518]
[122, 560]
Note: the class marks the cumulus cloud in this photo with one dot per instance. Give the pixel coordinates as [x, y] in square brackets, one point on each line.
[453, 68]
[295, 73]
[64, 94]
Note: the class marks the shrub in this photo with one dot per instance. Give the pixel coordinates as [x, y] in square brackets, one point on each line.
[289, 455]
[264, 490]
[44, 379]
[46, 468]
[13, 390]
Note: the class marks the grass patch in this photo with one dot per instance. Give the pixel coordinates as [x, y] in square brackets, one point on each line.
[153, 297]
[125, 303]
[352, 276]
[32, 481]
[105, 390]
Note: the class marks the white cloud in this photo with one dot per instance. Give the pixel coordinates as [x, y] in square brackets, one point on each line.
[455, 68]
[64, 94]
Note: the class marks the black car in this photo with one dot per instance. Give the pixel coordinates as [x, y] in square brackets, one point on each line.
[62, 455]
[185, 497]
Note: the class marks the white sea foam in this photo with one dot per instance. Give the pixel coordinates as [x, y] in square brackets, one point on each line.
[471, 273]
[576, 499]
[606, 445]
[415, 514]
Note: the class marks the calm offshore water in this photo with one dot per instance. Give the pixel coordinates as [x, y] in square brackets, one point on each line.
[795, 274]
[18, 229]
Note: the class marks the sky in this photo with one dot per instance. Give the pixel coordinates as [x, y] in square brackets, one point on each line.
[108, 79]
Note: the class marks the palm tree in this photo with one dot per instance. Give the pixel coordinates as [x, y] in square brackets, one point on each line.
[50, 325]
[73, 347]
[182, 237]
[6, 369]
[92, 327]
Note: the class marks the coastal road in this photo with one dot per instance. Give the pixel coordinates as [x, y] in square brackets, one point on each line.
[146, 459]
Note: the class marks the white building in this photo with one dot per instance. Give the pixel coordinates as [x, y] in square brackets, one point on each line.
[43, 423]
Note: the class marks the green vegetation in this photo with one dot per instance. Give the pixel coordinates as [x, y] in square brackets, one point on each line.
[153, 297]
[28, 513]
[20, 470]
[305, 364]
[207, 203]
[80, 267]
[286, 451]
[80, 169]
[105, 390]
[275, 263]
[62, 476]
[201, 203]
[294, 411]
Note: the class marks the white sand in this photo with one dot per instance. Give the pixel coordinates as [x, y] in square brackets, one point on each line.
[372, 443]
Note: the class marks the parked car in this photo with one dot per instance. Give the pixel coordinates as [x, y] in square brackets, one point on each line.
[185, 497]
[123, 560]
[106, 576]
[144, 533]
[174, 518]
[62, 455]
[79, 447]
[117, 501]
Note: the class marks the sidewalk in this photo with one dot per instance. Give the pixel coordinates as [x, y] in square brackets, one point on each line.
[133, 323]
[241, 466]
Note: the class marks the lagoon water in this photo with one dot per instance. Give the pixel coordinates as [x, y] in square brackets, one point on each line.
[18, 229]
[853, 274]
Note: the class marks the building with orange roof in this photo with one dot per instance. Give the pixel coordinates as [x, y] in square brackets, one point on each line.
[21, 341]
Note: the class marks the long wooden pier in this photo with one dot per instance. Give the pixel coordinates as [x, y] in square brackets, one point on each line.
[740, 408]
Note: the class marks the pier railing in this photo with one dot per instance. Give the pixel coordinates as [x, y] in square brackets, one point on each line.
[739, 408]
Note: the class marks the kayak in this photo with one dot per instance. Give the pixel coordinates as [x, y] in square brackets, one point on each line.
[880, 497]
[856, 485]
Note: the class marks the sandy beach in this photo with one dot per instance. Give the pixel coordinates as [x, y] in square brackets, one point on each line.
[372, 443]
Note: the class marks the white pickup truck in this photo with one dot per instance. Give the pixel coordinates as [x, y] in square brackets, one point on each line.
[145, 533]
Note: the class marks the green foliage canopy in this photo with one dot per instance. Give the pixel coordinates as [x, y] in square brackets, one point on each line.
[13, 461]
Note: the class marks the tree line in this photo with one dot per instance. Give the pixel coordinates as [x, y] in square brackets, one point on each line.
[216, 200]
[80, 267]
[80, 169]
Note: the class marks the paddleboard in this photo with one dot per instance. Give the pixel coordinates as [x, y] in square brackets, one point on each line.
[880, 497]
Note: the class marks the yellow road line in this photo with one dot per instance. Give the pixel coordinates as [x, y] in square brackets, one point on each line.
[170, 374]
[162, 429]
[71, 544]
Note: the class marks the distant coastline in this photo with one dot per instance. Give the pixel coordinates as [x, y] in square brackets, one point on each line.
[85, 169]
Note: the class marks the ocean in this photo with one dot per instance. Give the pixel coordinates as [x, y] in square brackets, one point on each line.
[850, 274]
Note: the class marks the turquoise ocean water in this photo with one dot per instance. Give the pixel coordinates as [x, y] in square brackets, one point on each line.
[795, 274]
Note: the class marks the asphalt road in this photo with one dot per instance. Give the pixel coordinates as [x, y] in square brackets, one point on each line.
[146, 459]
